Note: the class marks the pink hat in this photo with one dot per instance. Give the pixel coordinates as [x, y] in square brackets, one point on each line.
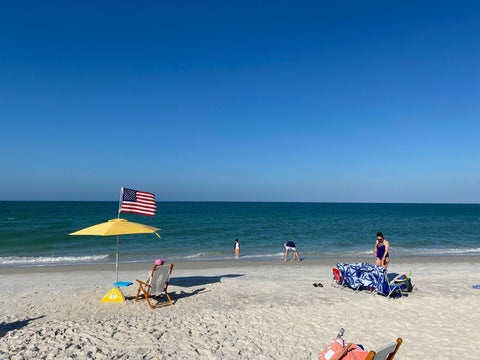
[159, 262]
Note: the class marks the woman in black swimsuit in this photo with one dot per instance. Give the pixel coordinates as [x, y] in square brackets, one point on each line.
[381, 251]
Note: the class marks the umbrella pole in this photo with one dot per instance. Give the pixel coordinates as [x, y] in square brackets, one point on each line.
[116, 263]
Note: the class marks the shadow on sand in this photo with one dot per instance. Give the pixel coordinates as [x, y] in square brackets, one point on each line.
[16, 325]
[182, 294]
[173, 295]
[189, 281]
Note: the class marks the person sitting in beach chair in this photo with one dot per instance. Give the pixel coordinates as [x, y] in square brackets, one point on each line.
[156, 284]
[339, 349]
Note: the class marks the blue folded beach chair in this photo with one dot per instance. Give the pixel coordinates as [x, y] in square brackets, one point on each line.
[386, 289]
[394, 290]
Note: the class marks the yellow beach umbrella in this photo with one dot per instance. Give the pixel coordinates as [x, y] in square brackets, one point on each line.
[117, 227]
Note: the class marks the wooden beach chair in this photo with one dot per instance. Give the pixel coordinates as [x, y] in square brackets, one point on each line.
[156, 285]
[386, 352]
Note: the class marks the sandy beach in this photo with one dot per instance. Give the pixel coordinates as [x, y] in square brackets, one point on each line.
[237, 310]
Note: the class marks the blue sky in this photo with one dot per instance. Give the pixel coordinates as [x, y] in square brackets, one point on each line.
[349, 101]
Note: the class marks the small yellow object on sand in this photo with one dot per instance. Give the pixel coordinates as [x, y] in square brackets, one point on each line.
[113, 296]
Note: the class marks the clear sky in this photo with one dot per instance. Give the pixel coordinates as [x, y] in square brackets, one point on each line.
[336, 101]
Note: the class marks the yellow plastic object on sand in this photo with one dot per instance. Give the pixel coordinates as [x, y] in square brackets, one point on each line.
[113, 295]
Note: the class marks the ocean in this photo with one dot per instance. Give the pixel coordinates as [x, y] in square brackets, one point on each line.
[37, 233]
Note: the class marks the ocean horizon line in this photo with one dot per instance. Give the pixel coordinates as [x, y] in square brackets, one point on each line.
[257, 202]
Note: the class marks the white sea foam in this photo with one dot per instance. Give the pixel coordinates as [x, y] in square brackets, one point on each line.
[219, 256]
[402, 252]
[434, 252]
[224, 256]
[262, 256]
[45, 260]
[194, 256]
[203, 256]
[396, 251]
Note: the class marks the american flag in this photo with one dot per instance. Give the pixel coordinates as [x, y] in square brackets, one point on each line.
[138, 202]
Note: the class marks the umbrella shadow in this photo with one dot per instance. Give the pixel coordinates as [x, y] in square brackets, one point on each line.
[189, 281]
[16, 325]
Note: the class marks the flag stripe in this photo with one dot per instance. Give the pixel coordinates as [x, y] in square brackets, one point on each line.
[138, 202]
[146, 208]
[138, 212]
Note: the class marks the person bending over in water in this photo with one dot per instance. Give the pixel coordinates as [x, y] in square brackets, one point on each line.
[290, 245]
[381, 251]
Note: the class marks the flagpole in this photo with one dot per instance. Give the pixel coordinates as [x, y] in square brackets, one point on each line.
[116, 263]
[116, 255]
[120, 202]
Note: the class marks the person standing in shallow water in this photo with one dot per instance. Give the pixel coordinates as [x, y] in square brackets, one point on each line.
[237, 249]
[381, 251]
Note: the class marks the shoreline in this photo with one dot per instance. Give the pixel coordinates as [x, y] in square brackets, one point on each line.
[209, 264]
